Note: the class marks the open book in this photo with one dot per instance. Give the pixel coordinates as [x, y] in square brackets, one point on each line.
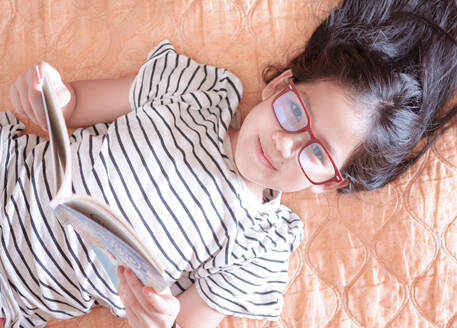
[112, 238]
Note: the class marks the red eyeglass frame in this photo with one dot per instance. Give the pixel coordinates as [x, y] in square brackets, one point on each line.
[337, 177]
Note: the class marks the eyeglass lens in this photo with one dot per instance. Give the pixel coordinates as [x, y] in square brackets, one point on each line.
[289, 112]
[316, 163]
[313, 158]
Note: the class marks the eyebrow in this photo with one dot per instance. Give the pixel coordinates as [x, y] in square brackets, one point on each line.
[305, 99]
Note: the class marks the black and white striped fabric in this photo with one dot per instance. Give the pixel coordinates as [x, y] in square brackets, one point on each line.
[166, 167]
[46, 270]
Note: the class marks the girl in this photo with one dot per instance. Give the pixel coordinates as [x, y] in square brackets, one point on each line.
[348, 113]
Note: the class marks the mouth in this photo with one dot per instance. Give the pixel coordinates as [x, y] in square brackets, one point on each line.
[264, 158]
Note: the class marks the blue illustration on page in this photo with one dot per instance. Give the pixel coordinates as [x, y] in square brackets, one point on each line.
[104, 239]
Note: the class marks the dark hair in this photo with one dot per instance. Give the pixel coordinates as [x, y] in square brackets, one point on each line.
[402, 56]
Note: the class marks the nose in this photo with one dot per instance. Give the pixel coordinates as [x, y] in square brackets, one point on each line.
[288, 144]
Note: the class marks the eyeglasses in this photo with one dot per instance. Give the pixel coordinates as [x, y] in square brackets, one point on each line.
[314, 158]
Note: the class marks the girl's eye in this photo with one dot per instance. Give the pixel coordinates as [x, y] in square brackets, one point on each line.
[317, 151]
[296, 110]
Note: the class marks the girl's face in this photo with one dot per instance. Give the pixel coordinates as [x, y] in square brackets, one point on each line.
[267, 156]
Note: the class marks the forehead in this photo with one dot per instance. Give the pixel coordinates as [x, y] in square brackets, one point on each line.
[335, 119]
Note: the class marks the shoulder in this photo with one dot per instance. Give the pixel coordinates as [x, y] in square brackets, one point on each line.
[170, 77]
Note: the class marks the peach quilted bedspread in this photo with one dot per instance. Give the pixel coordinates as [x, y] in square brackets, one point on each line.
[382, 259]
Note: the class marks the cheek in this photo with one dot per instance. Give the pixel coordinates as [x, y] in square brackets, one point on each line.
[293, 179]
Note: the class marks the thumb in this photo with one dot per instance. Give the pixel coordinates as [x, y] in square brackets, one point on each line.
[63, 93]
[55, 80]
[165, 304]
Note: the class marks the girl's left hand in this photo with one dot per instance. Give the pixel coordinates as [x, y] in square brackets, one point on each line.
[144, 307]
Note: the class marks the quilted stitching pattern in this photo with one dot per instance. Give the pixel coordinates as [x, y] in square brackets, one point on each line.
[382, 259]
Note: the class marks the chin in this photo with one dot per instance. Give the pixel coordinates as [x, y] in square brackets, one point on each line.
[289, 188]
[255, 177]
[278, 187]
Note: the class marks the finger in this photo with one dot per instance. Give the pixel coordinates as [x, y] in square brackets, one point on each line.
[127, 298]
[132, 317]
[52, 74]
[123, 288]
[120, 272]
[151, 319]
[157, 320]
[166, 304]
[15, 101]
[63, 94]
[143, 319]
[22, 87]
[139, 316]
[55, 80]
[136, 287]
[127, 294]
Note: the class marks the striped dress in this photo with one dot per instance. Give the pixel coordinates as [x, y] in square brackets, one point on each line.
[167, 168]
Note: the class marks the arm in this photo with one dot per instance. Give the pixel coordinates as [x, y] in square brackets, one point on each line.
[95, 101]
[147, 309]
[83, 103]
[195, 312]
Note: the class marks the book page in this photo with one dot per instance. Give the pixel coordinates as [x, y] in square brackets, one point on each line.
[103, 216]
[119, 245]
[58, 139]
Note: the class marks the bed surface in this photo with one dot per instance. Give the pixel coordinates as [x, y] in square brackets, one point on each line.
[384, 258]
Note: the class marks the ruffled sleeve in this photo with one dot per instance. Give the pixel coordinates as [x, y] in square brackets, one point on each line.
[168, 77]
[252, 285]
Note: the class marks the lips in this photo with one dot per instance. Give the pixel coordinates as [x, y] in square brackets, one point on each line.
[264, 158]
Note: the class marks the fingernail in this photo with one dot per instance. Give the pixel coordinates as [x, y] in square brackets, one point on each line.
[120, 269]
[148, 291]
[45, 127]
[64, 97]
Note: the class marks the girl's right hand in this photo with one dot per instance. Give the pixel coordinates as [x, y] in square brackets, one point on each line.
[143, 306]
[26, 96]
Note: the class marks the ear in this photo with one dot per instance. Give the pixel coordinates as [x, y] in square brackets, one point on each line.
[278, 83]
[330, 186]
